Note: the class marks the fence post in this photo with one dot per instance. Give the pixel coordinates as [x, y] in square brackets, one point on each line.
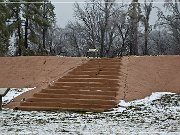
[3, 92]
[0, 102]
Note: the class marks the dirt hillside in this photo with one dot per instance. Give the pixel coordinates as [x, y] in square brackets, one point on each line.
[151, 74]
[139, 77]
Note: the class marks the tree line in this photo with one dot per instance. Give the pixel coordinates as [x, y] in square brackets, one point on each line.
[118, 29]
[24, 26]
[115, 29]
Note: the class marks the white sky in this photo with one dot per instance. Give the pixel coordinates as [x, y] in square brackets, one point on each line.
[64, 10]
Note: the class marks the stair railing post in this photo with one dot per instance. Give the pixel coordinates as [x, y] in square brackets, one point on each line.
[0, 102]
[3, 92]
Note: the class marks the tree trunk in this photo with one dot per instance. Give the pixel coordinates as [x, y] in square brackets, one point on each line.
[44, 38]
[146, 38]
[136, 39]
[19, 32]
[26, 33]
[134, 20]
[102, 43]
[44, 27]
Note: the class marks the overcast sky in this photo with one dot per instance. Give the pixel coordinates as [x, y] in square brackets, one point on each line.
[64, 10]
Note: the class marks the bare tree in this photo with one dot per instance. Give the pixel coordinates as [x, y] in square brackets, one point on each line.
[123, 31]
[96, 18]
[87, 17]
[172, 20]
[104, 19]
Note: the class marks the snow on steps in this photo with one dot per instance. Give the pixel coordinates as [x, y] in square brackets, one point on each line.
[92, 87]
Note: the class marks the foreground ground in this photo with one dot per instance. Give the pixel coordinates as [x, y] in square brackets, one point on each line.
[158, 114]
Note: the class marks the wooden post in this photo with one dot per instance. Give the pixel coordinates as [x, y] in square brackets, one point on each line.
[0, 102]
[3, 92]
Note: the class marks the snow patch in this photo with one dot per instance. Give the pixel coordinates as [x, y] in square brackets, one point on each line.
[146, 101]
[14, 92]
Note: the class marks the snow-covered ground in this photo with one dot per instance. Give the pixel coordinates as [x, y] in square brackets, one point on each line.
[13, 92]
[146, 101]
[154, 115]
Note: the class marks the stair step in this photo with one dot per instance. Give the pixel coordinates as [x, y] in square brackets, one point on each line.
[102, 80]
[74, 96]
[103, 62]
[70, 101]
[96, 69]
[88, 82]
[109, 65]
[106, 59]
[79, 84]
[88, 92]
[64, 105]
[93, 73]
[47, 108]
[91, 76]
[84, 88]
[88, 68]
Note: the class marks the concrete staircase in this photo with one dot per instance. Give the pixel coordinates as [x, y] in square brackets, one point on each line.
[91, 87]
